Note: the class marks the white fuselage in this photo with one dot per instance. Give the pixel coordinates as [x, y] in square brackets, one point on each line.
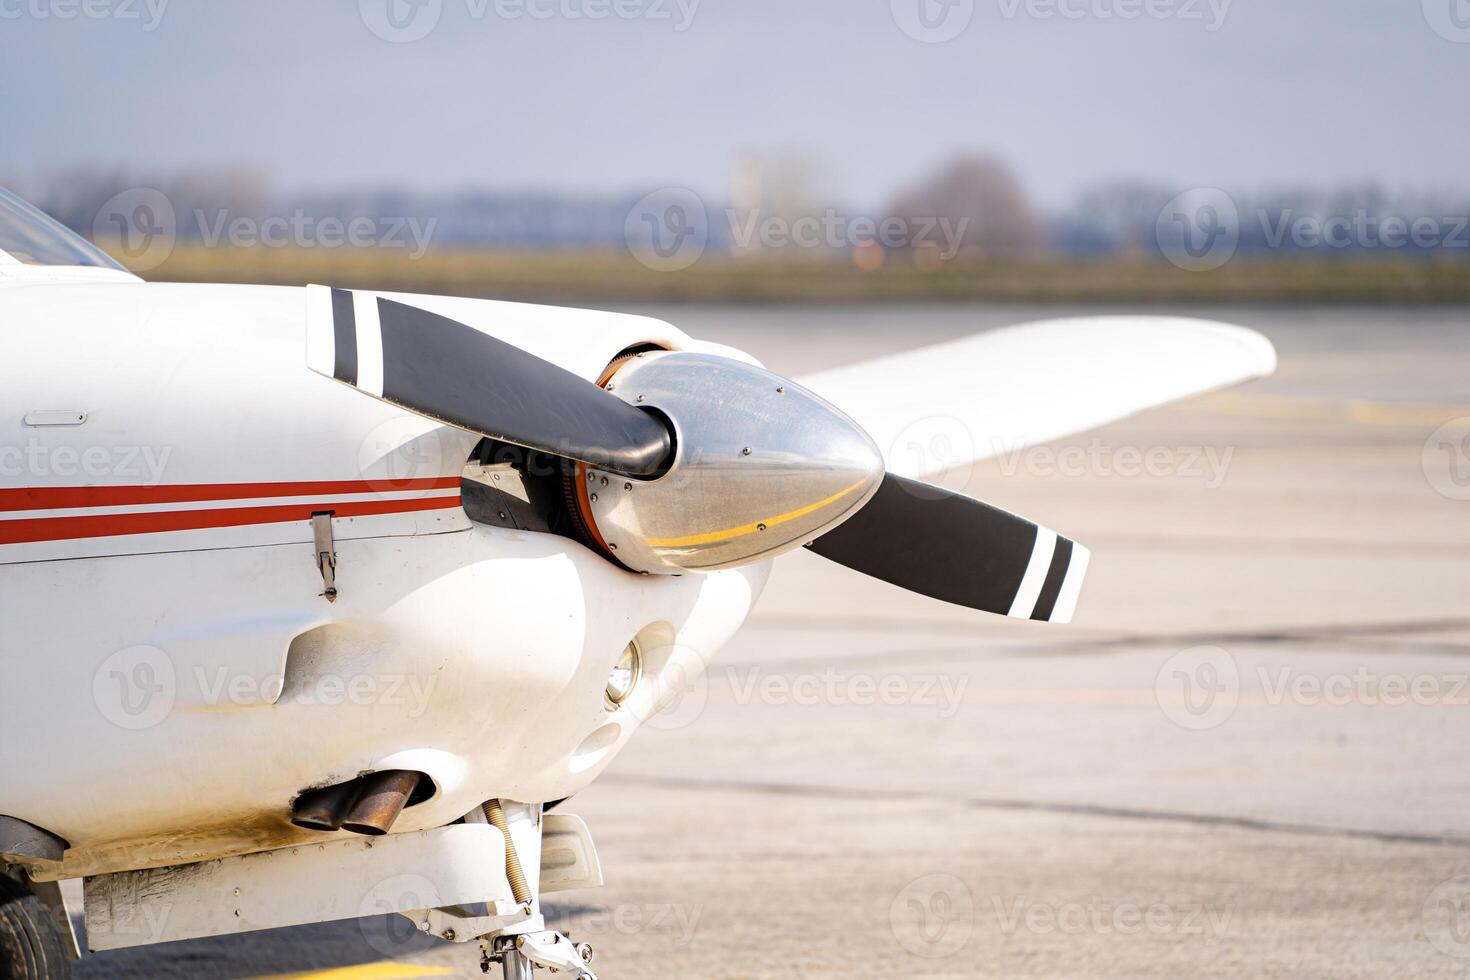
[175, 676]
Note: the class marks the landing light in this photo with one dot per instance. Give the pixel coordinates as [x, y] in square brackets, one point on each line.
[624, 676]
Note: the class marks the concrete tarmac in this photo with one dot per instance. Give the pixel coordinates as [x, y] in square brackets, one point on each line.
[1244, 760]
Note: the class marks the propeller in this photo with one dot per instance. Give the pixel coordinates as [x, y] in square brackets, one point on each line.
[452, 373]
[951, 547]
[913, 535]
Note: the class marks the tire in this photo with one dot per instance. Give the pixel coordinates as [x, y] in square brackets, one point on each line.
[30, 945]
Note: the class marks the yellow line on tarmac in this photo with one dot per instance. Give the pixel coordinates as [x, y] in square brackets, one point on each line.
[370, 971]
[1333, 409]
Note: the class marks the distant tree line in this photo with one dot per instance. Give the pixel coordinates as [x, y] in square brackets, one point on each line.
[982, 199]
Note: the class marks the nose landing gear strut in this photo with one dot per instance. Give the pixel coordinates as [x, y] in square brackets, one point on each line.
[520, 955]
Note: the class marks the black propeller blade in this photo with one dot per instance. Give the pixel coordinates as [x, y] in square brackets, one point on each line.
[952, 547]
[447, 371]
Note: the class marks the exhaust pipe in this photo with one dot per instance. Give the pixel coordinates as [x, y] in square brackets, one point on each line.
[381, 799]
[324, 809]
[366, 805]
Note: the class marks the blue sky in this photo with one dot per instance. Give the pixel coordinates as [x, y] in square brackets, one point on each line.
[1241, 94]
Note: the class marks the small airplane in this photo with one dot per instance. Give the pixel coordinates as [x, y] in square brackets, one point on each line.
[317, 603]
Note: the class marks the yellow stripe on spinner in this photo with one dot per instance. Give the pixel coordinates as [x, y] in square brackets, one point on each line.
[714, 537]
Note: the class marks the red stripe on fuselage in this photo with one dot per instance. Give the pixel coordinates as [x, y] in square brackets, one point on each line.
[35, 529]
[55, 498]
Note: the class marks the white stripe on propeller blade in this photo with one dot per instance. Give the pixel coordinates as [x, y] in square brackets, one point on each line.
[369, 343]
[1071, 585]
[1036, 569]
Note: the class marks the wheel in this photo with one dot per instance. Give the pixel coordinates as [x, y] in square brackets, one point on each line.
[30, 944]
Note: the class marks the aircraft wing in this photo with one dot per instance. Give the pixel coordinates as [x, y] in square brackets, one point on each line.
[935, 408]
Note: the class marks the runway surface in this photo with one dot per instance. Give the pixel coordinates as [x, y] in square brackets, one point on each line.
[1244, 760]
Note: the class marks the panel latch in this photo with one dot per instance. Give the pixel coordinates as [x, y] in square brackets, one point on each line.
[326, 552]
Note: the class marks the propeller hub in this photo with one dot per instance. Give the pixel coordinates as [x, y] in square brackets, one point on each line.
[760, 466]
